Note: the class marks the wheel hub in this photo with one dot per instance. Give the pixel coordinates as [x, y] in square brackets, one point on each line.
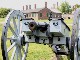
[21, 40]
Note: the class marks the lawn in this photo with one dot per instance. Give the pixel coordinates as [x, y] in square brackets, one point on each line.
[2, 19]
[68, 21]
[36, 51]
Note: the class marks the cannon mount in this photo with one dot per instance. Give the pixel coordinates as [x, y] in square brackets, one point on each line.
[27, 30]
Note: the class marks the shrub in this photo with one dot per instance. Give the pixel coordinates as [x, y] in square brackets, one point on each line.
[4, 12]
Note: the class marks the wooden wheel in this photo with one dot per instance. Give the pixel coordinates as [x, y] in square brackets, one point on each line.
[12, 38]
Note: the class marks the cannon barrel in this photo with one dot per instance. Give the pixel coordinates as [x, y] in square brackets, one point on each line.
[38, 26]
[43, 27]
[32, 26]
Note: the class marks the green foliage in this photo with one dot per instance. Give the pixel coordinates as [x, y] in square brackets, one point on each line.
[65, 8]
[4, 12]
[77, 6]
[2, 19]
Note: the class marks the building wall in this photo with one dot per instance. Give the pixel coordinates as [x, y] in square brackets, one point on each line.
[45, 13]
[32, 15]
[56, 15]
[65, 16]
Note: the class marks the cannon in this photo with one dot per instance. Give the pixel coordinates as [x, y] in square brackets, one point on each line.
[27, 30]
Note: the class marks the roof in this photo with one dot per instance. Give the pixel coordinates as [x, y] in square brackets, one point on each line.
[55, 10]
[38, 9]
[32, 10]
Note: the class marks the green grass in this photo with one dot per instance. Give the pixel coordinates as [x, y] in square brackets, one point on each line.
[39, 52]
[36, 51]
[2, 19]
[68, 21]
[0, 41]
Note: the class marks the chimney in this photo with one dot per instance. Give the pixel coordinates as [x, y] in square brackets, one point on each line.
[29, 6]
[35, 6]
[53, 6]
[26, 7]
[23, 7]
[45, 4]
[57, 4]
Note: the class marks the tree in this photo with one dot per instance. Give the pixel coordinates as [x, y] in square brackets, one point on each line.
[77, 6]
[65, 8]
[4, 12]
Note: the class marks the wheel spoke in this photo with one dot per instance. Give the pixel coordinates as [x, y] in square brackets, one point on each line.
[26, 47]
[16, 53]
[75, 52]
[11, 46]
[23, 50]
[78, 57]
[12, 57]
[15, 26]
[11, 39]
[18, 26]
[24, 57]
[15, 30]
[20, 54]
[12, 30]
[25, 53]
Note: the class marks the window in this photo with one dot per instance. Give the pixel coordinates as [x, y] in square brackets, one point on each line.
[40, 14]
[26, 15]
[55, 15]
[35, 14]
[58, 16]
[47, 14]
[29, 15]
[32, 14]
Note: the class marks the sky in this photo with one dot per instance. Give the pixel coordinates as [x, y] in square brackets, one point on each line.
[18, 4]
